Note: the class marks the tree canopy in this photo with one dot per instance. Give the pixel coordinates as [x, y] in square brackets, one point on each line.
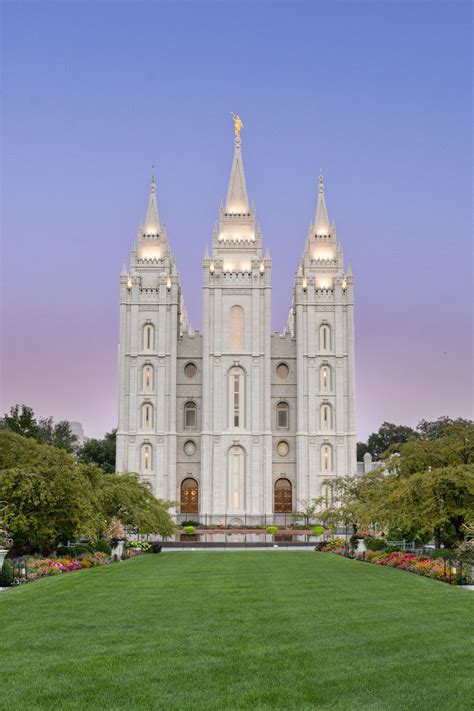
[50, 497]
[100, 452]
[22, 421]
[424, 487]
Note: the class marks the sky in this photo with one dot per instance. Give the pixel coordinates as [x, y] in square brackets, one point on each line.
[376, 94]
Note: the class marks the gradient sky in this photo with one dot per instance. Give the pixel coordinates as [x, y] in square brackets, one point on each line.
[375, 93]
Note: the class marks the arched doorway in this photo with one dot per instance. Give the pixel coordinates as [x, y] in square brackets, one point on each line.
[189, 496]
[283, 496]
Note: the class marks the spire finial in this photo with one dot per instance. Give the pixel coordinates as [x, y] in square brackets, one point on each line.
[321, 222]
[237, 199]
[152, 221]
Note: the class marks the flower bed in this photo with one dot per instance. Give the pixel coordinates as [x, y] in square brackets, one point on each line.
[27, 569]
[448, 571]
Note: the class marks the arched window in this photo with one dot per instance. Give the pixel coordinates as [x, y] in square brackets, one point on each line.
[236, 329]
[148, 337]
[282, 496]
[236, 478]
[190, 415]
[326, 458]
[326, 495]
[283, 415]
[147, 378]
[236, 398]
[147, 416]
[325, 379]
[189, 502]
[325, 338]
[326, 417]
[147, 458]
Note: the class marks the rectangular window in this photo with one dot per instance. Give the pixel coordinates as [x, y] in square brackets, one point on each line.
[236, 400]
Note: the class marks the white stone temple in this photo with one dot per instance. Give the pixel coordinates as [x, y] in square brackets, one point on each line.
[238, 423]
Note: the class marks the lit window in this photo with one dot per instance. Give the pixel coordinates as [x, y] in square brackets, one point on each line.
[190, 415]
[325, 378]
[283, 417]
[146, 458]
[148, 378]
[326, 458]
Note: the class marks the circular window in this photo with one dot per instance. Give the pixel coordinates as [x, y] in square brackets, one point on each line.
[282, 370]
[190, 370]
[283, 448]
[189, 447]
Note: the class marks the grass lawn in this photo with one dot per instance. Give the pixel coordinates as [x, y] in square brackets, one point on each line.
[237, 630]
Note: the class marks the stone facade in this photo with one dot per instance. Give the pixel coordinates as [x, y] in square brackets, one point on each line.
[237, 423]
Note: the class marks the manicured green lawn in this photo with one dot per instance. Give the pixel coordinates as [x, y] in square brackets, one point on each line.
[236, 630]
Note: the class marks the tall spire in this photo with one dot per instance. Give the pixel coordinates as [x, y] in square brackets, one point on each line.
[237, 199]
[321, 222]
[152, 222]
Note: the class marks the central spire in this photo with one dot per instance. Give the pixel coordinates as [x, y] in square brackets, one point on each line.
[152, 222]
[237, 202]
[321, 222]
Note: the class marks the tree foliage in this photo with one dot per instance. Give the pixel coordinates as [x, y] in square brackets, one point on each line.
[425, 486]
[100, 452]
[22, 421]
[50, 497]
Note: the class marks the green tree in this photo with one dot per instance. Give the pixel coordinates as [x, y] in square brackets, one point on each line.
[100, 452]
[22, 421]
[441, 427]
[362, 448]
[389, 435]
[123, 497]
[50, 498]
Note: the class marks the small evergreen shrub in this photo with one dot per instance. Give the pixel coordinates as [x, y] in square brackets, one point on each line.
[103, 546]
[272, 530]
[6, 574]
[375, 544]
[447, 553]
[156, 547]
[189, 530]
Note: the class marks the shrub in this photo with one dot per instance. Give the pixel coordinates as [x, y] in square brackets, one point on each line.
[156, 547]
[140, 545]
[189, 530]
[375, 544]
[6, 574]
[103, 546]
[272, 530]
[190, 522]
[446, 553]
[317, 530]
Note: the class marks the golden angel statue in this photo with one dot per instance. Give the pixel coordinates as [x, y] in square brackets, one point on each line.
[238, 124]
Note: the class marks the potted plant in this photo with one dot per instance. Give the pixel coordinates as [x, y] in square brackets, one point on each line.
[5, 545]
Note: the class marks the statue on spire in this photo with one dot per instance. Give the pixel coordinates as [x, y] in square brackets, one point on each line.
[238, 124]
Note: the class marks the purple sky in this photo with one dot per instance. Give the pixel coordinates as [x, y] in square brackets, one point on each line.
[375, 93]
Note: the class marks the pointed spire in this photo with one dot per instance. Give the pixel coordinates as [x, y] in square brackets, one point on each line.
[152, 222]
[237, 199]
[349, 270]
[124, 269]
[321, 222]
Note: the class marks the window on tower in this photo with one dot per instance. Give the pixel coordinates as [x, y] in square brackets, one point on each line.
[325, 379]
[147, 382]
[148, 337]
[190, 415]
[326, 458]
[283, 415]
[325, 338]
[236, 398]
[147, 416]
[236, 329]
[326, 417]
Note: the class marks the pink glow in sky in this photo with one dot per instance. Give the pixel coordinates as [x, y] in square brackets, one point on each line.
[377, 94]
